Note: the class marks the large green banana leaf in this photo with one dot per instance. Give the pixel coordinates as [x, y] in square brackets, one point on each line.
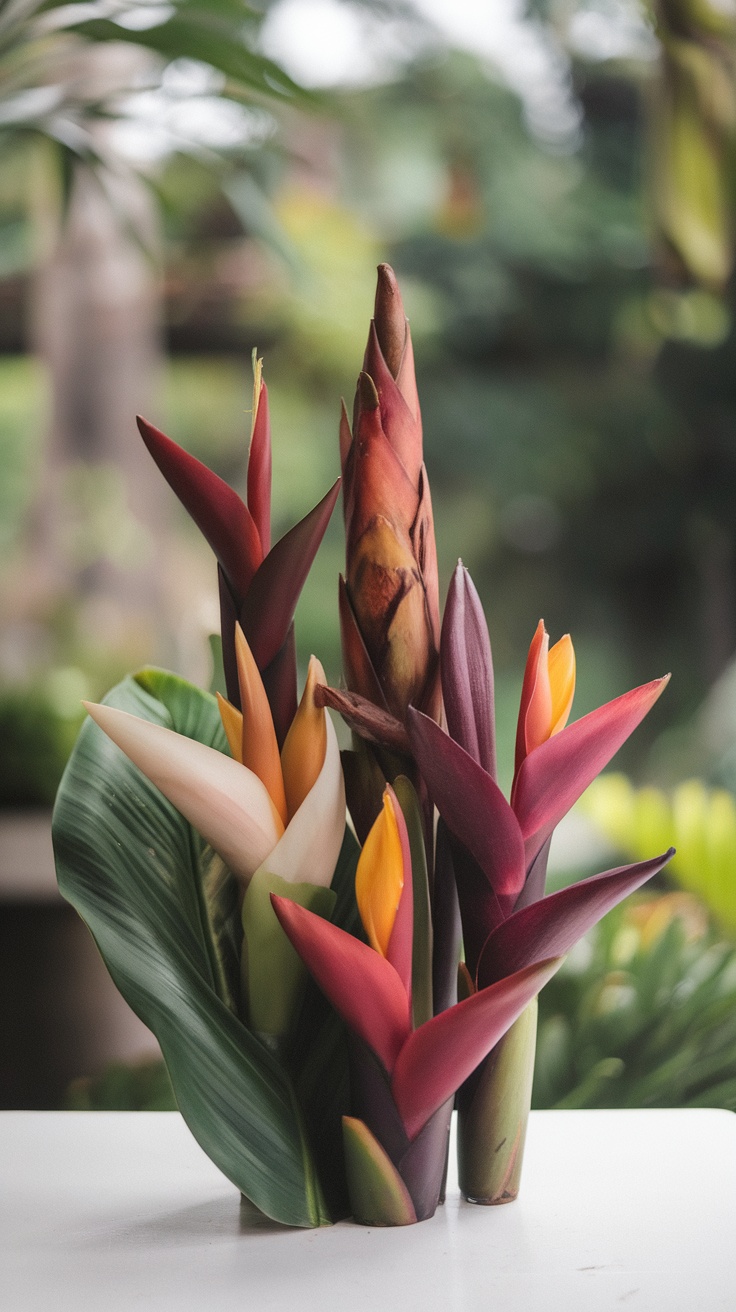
[163, 912]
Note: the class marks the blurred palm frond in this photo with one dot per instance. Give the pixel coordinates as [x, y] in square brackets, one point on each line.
[642, 1013]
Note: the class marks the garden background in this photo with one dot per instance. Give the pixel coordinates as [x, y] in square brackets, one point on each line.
[554, 186]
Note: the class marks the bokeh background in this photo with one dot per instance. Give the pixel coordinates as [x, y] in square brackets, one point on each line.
[183, 182]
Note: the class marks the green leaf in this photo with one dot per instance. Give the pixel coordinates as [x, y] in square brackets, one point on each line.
[138, 875]
[319, 1054]
[194, 35]
[274, 975]
[378, 1194]
[421, 981]
[219, 901]
[217, 681]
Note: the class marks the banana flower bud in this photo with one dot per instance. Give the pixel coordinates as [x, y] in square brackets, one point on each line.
[389, 599]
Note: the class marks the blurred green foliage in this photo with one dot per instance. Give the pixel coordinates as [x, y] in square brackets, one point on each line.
[579, 415]
[144, 1087]
[642, 1013]
[699, 821]
[694, 136]
[23, 410]
[54, 99]
[36, 741]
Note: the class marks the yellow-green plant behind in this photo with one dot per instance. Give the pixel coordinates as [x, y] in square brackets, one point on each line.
[699, 821]
[693, 128]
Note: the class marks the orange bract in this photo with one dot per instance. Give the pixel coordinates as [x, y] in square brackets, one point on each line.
[232, 723]
[303, 753]
[547, 692]
[260, 750]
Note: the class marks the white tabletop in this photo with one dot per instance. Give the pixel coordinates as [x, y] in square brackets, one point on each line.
[634, 1211]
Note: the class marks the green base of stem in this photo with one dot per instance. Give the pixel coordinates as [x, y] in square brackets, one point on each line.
[493, 1113]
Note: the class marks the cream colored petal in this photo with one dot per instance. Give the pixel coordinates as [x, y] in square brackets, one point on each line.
[223, 800]
[310, 846]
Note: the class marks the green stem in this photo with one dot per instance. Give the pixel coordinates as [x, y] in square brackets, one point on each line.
[493, 1113]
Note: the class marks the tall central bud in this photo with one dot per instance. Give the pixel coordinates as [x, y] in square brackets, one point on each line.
[389, 601]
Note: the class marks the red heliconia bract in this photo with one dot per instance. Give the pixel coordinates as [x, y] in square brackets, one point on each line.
[259, 584]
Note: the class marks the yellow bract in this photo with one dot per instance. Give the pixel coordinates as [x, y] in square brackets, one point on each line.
[551, 673]
[379, 878]
[561, 666]
[232, 723]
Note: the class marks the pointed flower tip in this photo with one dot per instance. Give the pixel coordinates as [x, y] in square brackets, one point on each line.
[388, 296]
[315, 671]
[147, 430]
[389, 318]
[367, 394]
[654, 689]
[259, 390]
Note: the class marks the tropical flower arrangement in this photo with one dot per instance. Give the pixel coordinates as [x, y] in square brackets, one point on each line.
[334, 950]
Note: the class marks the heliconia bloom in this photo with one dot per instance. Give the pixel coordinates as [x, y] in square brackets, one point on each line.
[288, 776]
[259, 584]
[547, 692]
[233, 808]
[500, 846]
[389, 600]
[415, 1072]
